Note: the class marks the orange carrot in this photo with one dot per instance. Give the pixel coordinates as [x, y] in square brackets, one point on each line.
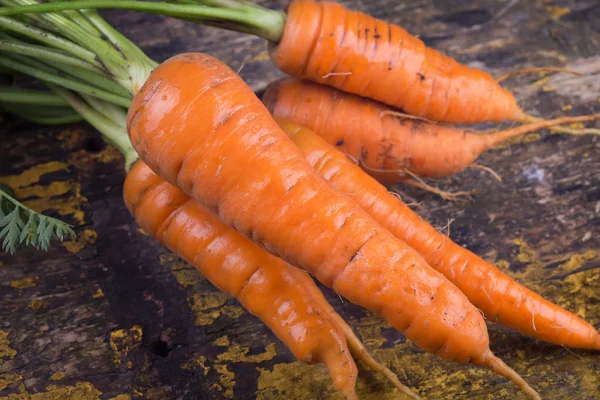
[356, 53]
[197, 125]
[265, 285]
[496, 294]
[297, 295]
[390, 148]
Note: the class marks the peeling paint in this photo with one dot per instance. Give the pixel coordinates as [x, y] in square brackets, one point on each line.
[121, 397]
[25, 283]
[32, 175]
[557, 11]
[38, 304]
[206, 308]
[197, 362]
[5, 350]
[88, 236]
[123, 341]
[238, 353]
[57, 376]
[8, 380]
[226, 380]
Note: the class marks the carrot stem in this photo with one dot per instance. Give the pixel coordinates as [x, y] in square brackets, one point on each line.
[262, 22]
[46, 38]
[44, 53]
[111, 130]
[16, 65]
[498, 366]
[30, 97]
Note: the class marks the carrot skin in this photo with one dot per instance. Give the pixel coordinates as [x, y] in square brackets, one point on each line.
[388, 147]
[500, 298]
[327, 43]
[213, 138]
[266, 286]
[385, 146]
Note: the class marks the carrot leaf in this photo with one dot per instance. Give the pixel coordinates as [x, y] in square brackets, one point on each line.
[21, 226]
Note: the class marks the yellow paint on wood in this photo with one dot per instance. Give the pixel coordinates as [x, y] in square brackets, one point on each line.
[8, 380]
[70, 138]
[38, 304]
[557, 11]
[197, 362]
[57, 376]
[226, 380]
[25, 283]
[123, 341]
[222, 341]
[121, 397]
[206, 308]
[238, 353]
[98, 294]
[88, 236]
[32, 175]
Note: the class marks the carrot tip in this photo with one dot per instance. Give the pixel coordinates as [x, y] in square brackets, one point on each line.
[498, 366]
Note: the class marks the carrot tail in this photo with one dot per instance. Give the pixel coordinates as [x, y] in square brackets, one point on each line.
[488, 170]
[417, 182]
[493, 139]
[360, 352]
[533, 70]
[498, 366]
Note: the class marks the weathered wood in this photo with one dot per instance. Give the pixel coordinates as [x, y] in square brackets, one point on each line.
[111, 314]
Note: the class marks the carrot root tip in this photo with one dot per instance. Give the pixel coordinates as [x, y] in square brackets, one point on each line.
[498, 366]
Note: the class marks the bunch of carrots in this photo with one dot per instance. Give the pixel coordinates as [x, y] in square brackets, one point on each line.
[259, 197]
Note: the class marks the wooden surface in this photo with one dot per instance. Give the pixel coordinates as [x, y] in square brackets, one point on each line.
[112, 315]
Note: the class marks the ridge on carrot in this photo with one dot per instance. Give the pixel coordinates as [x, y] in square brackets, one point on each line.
[499, 297]
[354, 52]
[392, 149]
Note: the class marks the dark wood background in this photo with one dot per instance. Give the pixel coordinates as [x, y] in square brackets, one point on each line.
[112, 315]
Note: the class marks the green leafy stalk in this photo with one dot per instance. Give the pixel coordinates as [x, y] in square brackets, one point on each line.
[104, 52]
[44, 53]
[30, 97]
[21, 226]
[45, 37]
[62, 81]
[262, 22]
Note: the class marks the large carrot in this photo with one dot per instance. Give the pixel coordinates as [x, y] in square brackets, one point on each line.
[328, 43]
[390, 148]
[198, 125]
[282, 296]
[496, 294]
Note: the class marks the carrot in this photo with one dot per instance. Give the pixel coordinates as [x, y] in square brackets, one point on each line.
[500, 298]
[354, 52]
[197, 125]
[392, 149]
[308, 311]
[265, 285]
